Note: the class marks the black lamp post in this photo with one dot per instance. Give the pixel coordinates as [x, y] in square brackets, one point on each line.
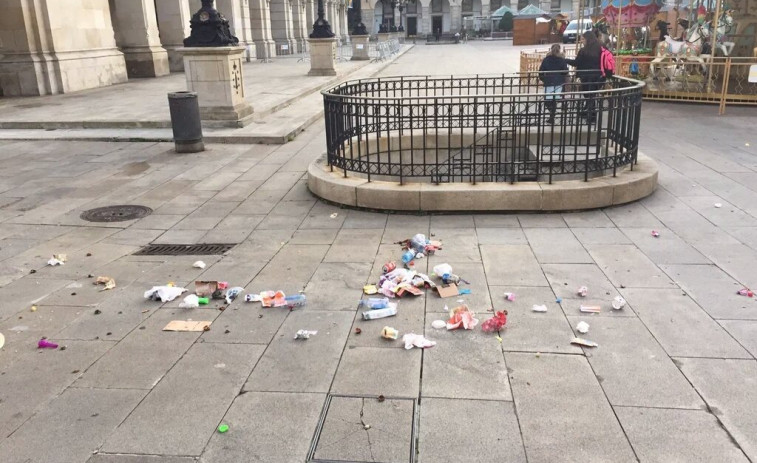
[321, 27]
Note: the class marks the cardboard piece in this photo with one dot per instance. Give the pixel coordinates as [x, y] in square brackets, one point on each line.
[449, 290]
[205, 288]
[410, 290]
[188, 325]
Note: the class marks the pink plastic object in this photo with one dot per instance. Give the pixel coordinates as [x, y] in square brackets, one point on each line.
[583, 291]
[461, 317]
[510, 296]
[223, 284]
[746, 292]
[495, 323]
[45, 344]
[655, 233]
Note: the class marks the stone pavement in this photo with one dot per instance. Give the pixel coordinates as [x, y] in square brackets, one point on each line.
[673, 378]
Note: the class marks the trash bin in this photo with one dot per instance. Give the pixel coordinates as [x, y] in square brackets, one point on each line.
[185, 121]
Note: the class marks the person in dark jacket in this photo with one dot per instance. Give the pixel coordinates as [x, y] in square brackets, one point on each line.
[588, 70]
[553, 72]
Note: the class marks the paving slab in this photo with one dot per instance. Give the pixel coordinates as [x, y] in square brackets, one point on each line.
[496, 221]
[632, 367]
[744, 332]
[714, 291]
[632, 215]
[460, 245]
[627, 266]
[566, 279]
[399, 372]
[291, 365]
[188, 403]
[355, 245]
[529, 331]
[291, 269]
[105, 458]
[681, 326]
[588, 219]
[22, 294]
[511, 265]
[478, 300]
[282, 423]
[90, 416]
[365, 429]
[570, 250]
[541, 221]
[728, 388]
[491, 430]
[667, 248]
[337, 286]
[501, 236]
[698, 438]
[736, 259]
[562, 411]
[409, 319]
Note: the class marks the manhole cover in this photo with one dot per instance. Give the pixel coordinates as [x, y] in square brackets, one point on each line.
[363, 429]
[115, 213]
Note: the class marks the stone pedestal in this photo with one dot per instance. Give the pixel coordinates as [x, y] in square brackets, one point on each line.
[384, 36]
[215, 73]
[322, 57]
[360, 47]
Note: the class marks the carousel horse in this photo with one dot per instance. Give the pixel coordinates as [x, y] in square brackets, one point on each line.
[725, 26]
[672, 52]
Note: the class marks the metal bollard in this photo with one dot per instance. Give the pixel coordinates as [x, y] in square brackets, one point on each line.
[185, 121]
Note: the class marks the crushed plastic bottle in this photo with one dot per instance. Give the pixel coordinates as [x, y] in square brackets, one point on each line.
[375, 303]
[380, 313]
[408, 256]
[418, 242]
[297, 300]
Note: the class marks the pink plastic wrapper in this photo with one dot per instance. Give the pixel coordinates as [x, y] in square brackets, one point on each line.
[45, 344]
[461, 317]
[510, 296]
[655, 233]
[746, 292]
[495, 323]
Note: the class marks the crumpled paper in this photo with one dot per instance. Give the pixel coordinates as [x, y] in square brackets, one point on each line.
[495, 323]
[108, 282]
[164, 293]
[304, 334]
[57, 259]
[190, 302]
[461, 316]
[416, 340]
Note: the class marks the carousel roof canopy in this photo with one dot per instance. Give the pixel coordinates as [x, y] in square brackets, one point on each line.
[532, 10]
[502, 10]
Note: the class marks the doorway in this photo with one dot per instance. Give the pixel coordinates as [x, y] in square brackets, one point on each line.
[412, 26]
[436, 24]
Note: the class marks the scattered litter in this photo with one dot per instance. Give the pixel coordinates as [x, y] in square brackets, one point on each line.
[298, 300]
[98, 311]
[56, 261]
[374, 303]
[273, 298]
[448, 291]
[370, 289]
[381, 313]
[582, 291]
[582, 327]
[509, 296]
[223, 284]
[583, 342]
[358, 331]
[461, 316]
[107, 282]
[495, 323]
[464, 291]
[205, 288]
[442, 269]
[191, 301]
[45, 344]
[655, 233]
[745, 292]
[164, 293]
[389, 333]
[219, 365]
[188, 325]
[233, 293]
[539, 308]
[222, 428]
[2, 340]
[389, 267]
[718, 205]
[408, 256]
[590, 308]
[304, 334]
[416, 340]
[334, 215]
[438, 324]
[420, 255]
[34, 308]
[618, 303]
[199, 264]
[253, 298]
[558, 300]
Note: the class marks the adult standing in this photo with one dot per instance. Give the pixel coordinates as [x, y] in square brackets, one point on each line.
[587, 64]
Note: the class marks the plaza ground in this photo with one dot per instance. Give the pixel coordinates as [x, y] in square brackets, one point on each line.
[673, 378]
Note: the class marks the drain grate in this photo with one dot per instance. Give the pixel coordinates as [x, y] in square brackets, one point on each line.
[364, 429]
[115, 213]
[202, 249]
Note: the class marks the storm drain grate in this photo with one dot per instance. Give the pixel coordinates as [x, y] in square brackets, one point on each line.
[360, 429]
[202, 249]
[120, 213]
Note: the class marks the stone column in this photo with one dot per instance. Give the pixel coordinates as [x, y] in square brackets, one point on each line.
[215, 73]
[424, 28]
[485, 8]
[260, 20]
[455, 17]
[300, 25]
[136, 26]
[238, 22]
[173, 23]
[281, 26]
[44, 52]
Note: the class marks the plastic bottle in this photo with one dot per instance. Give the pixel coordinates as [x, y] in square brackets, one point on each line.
[418, 242]
[408, 256]
[297, 300]
[203, 300]
[380, 313]
[375, 303]
[448, 278]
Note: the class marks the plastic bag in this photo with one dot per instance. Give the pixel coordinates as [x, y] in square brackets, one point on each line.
[495, 323]
[442, 269]
[190, 301]
[164, 293]
[416, 340]
[461, 316]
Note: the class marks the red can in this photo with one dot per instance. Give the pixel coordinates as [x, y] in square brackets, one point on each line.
[389, 266]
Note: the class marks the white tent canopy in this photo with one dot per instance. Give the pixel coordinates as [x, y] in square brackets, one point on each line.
[502, 10]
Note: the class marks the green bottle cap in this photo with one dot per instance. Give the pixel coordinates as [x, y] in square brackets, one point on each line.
[222, 428]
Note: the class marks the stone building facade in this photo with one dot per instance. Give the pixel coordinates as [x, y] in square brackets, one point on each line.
[59, 46]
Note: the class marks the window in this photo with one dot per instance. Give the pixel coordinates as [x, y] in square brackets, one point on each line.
[436, 6]
[494, 5]
[556, 5]
[387, 8]
[467, 6]
[412, 7]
